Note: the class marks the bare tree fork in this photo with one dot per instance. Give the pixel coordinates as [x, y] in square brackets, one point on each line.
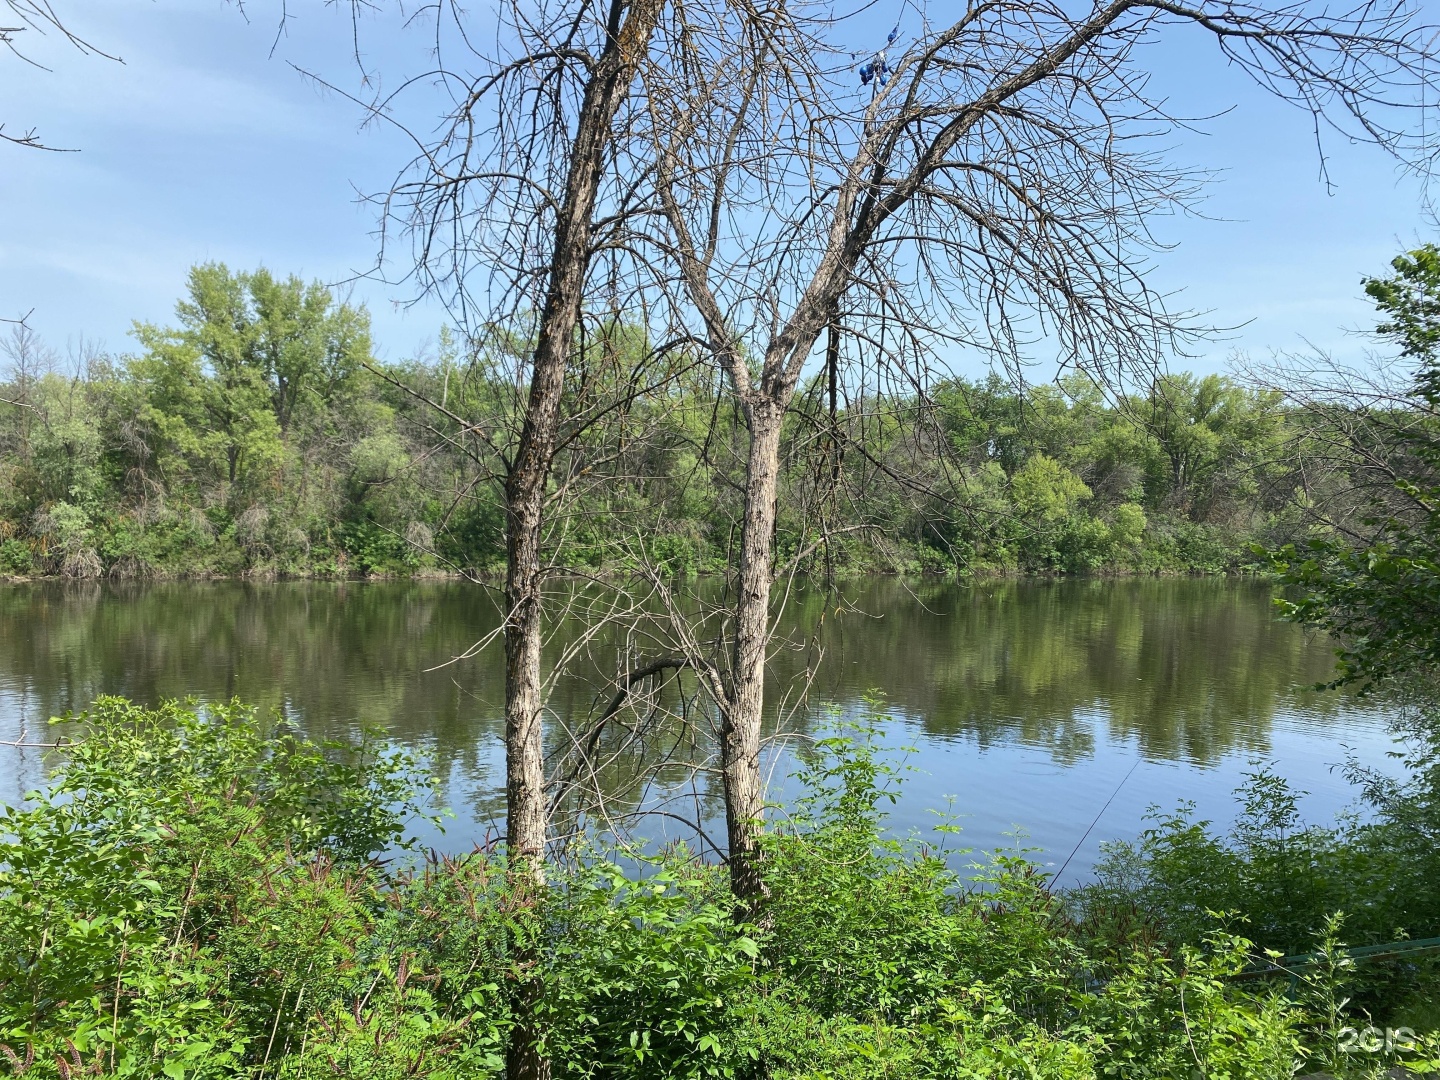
[604, 768]
[21, 338]
[987, 187]
[628, 682]
[40, 16]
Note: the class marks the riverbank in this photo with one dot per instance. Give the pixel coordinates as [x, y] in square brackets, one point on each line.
[1209, 558]
[200, 897]
[125, 470]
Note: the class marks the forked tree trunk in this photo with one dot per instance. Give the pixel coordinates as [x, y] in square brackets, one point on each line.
[912, 145]
[740, 733]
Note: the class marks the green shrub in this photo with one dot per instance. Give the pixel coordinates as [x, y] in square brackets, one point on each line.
[1286, 882]
[180, 869]
[675, 554]
[374, 549]
[16, 557]
[881, 961]
[197, 895]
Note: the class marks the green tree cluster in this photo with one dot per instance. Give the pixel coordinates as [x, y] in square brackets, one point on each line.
[1064, 480]
[259, 436]
[249, 438]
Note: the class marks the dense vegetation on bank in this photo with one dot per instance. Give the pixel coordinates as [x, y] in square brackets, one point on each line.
[197, 896]
[259, 436]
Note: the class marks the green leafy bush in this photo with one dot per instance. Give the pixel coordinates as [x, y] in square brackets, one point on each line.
[16, 557]
[132, 890]
[1285, 882]
[198, 894]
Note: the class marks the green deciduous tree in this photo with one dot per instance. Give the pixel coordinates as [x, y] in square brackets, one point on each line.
[1203, 427]
[252, 355]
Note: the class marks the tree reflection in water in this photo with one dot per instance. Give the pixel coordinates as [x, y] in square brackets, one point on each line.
[1185, 671]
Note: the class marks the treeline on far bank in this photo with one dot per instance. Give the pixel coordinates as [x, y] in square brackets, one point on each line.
[259, 436]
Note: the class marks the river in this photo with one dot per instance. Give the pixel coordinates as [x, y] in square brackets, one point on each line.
[1048, 715]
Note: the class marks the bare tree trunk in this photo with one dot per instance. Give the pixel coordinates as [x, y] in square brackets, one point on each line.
[524, 744]
[525, 484]
[740, 735]
[525, 809]
[525, 488]
[508, 193]
[529, 473]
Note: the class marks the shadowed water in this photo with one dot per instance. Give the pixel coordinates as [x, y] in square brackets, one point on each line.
[1031, 704]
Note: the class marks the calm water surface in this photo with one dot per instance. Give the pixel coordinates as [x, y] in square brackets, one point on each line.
[1026, 706]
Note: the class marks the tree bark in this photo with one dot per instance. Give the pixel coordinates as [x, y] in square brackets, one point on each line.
[525, 819]
[740, 732]
[529, 472]
[525, 488]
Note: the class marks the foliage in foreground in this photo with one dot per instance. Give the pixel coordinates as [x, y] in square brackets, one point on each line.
[1371, 877]
[196, 896]
[1366, 880]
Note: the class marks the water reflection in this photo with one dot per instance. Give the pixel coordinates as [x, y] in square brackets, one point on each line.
[1001, 683]
[1192, 670]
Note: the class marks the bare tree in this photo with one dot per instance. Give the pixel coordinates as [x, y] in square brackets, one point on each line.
[30, 359]
[1350, 454]
[504, 209]
[982, 185]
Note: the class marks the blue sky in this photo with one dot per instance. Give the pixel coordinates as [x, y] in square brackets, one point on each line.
[206, 144]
